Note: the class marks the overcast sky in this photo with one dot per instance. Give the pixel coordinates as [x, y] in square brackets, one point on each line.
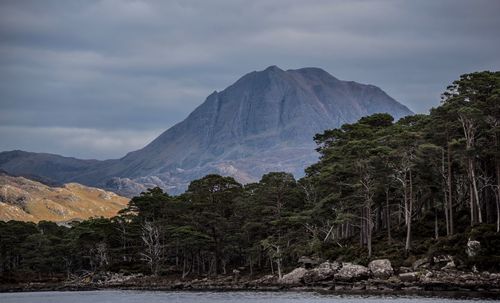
[97, 79]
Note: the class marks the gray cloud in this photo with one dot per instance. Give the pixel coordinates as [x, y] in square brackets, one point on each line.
[127, 69]
[83, 143]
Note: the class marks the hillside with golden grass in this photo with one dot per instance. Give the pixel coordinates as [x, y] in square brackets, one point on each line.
[27, 200]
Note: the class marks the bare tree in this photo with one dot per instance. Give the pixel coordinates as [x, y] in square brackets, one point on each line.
[494, 123]
[470, 129]
[446, 174]
[151, 238]
[403, 175]
[275, 255]
[368, 191]
[102, 254]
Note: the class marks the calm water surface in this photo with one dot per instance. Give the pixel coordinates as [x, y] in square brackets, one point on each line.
[210, 297]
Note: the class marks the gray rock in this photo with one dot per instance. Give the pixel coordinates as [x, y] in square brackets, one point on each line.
[352, 272]
[473, 248]
[381, 269]
[324, 271]
[294, 277]
[408, 277]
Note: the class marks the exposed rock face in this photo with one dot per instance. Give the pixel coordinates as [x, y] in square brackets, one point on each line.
[126, 186]
[473, 248]
[381, 269]
[294, 277]
[26, 200]
[264, 122]
[352, 272]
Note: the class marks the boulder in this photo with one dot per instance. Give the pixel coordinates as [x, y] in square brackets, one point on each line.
[381, 269]
[408, 277]
[324, 271]
[352, 272]
[294, 277]
[473, 248]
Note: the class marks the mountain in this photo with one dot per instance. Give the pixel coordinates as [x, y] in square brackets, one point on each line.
[263, 122]
[27, 200]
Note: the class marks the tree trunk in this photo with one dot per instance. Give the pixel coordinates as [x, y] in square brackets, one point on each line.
[272, 266]
[471, 203]
[408, 214]
[476, 192]
[185, 270]
[388, 216]
[445, 193]
[378, 219]
[498, 211]
[251, 265]
[369, 229]
[405, 193]
[497, 194]
[436, 226]
[278, 262]
[450, 200]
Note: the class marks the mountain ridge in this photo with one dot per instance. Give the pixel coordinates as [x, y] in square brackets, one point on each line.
[264, 121]
[24, 199]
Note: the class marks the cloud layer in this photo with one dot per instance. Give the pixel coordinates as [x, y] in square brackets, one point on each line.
[116, 73]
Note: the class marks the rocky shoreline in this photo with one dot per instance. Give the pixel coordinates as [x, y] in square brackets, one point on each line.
[378, 277]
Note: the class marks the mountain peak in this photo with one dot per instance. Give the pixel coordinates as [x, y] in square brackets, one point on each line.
[263, 122]
[273, 68]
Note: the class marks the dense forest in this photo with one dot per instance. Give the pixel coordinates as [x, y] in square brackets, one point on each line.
[420, 186]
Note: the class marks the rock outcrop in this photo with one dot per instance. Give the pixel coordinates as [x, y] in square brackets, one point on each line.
[352, 272]
[381, 269]
[294, 277]
[325, 271]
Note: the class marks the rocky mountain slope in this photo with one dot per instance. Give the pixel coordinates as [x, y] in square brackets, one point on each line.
[264, 122]
[26, 200]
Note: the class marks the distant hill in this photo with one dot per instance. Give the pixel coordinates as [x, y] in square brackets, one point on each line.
[263, 122]
[27, 200]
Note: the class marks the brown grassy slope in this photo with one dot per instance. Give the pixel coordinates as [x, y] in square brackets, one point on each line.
[26, 200]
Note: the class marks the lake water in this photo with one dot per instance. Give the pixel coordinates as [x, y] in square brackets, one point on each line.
[115, 296]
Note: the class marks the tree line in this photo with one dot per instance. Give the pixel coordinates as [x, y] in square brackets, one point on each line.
[418, 186]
